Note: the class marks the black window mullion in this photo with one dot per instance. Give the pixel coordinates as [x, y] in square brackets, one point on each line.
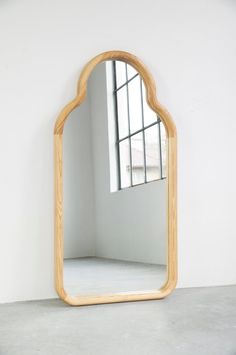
[127, 81]
[138, 131]
[144, 144]
[116, 126]
[129, 137]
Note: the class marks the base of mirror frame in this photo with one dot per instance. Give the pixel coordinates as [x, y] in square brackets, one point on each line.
[119, 297]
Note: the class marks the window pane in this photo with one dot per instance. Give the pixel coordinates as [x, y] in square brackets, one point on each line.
[137, 159]
[149, 115]
[124, 164]
[131, 71]
[152, 153]
[135, 107]
[163, 149]
[122, 109]
[120, 73]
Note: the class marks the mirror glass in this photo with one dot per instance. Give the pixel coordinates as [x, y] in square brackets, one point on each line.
[115, 188]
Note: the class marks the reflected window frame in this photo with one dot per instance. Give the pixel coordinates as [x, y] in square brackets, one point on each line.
[158, 123]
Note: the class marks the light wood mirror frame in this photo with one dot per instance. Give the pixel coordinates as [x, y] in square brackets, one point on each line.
[152, 101]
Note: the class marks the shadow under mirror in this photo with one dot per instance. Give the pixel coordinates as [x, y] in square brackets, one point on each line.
[115, 188]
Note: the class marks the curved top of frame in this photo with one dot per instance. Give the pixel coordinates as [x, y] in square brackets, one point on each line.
[147, 79]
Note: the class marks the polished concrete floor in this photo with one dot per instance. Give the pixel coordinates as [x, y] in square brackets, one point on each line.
[197, 321]
[93, 275]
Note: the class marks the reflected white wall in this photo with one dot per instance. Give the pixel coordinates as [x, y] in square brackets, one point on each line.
[78, 198]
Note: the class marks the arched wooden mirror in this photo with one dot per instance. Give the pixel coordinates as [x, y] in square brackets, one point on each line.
[115, 187]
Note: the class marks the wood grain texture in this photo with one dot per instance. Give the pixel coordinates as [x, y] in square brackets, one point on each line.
[152, 101]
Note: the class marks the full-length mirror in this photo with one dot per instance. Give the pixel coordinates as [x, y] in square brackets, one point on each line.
[115, 194]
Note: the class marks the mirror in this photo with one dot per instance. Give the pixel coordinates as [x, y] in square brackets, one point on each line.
[115, 189]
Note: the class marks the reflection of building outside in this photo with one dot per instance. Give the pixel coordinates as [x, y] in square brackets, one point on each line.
[153, 167]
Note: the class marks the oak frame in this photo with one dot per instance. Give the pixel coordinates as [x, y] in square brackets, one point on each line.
[152, 101]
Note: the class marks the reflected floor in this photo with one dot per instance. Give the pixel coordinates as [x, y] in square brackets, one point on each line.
[92, 275]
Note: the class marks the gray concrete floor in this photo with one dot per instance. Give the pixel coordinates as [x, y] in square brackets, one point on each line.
[197, 321]
[93, 275]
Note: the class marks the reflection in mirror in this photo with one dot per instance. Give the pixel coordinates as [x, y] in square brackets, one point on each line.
[115, 192]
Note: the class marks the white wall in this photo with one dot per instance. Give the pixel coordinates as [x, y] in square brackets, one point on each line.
[190, 48]
[129, 224]
[78, 185]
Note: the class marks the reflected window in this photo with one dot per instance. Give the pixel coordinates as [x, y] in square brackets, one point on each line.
[140, 134]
